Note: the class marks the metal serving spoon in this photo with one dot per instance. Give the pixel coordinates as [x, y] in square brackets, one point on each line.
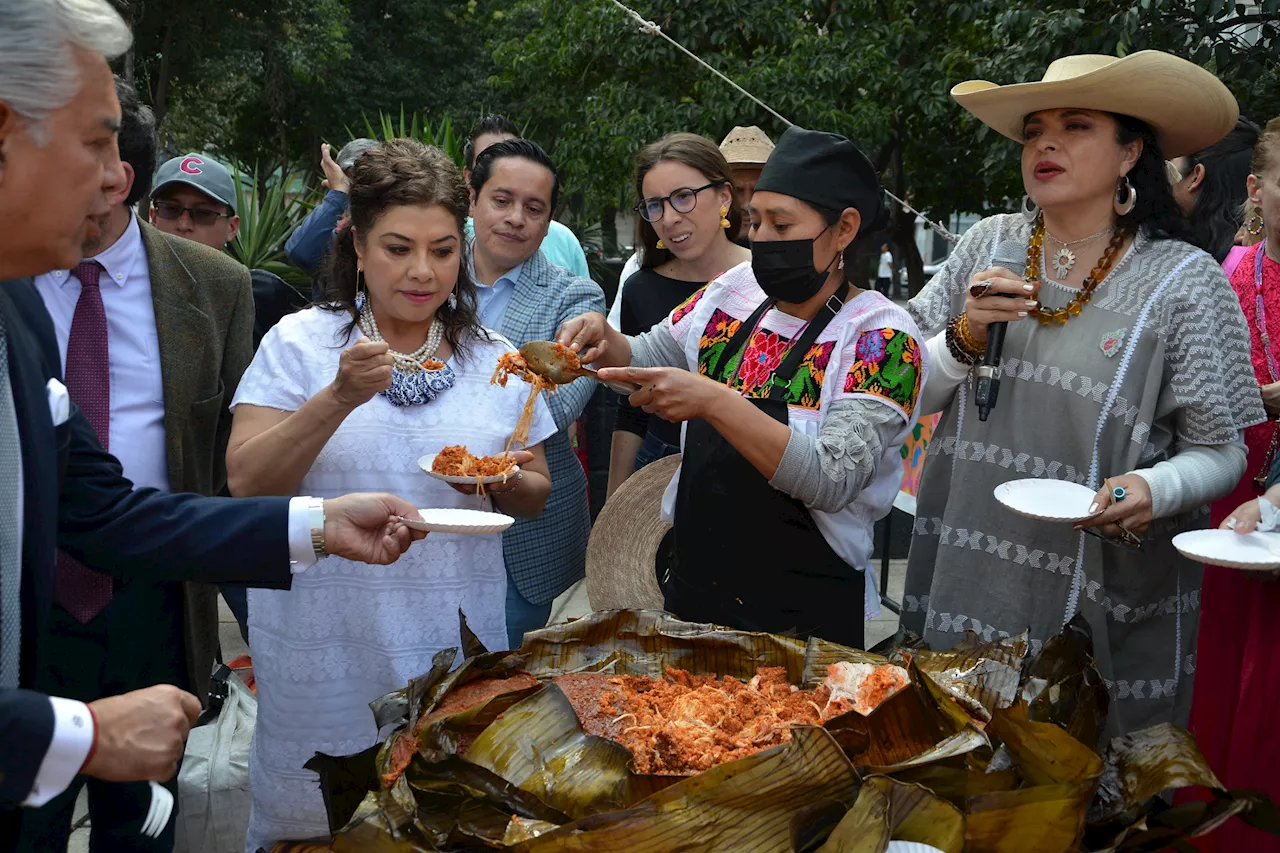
[544, 360]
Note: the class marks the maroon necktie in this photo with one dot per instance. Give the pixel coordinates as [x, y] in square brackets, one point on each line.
[81, 591]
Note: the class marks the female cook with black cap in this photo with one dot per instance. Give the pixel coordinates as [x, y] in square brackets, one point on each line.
[796, 394]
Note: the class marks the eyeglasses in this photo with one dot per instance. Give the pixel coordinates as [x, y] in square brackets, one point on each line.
[683, 200]
[199, 215]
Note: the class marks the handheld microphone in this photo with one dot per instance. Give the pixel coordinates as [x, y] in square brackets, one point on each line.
[1011, 255]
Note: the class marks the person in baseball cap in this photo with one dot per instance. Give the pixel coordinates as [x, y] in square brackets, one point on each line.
[195, 198]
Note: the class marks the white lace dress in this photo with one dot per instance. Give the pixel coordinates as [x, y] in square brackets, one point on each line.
[347, 633]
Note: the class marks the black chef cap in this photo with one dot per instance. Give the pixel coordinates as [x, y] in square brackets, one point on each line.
[827, 171]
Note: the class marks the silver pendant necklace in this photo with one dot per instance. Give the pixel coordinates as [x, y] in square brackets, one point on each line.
[1064, 259]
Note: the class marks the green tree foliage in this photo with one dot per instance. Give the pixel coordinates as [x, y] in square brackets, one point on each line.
[266, 82]
[879, 72]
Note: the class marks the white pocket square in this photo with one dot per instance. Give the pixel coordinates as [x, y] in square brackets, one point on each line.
[59, 402]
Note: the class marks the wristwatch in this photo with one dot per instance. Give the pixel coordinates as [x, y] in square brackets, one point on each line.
[315, 511]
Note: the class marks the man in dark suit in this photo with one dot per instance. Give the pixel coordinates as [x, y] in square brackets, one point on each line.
[174, 325]
[59, 167]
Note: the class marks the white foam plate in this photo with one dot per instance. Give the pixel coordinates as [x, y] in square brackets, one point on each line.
[425, 464]
[1047, 500]
[454, 520]
[910, 847]
[1258, 552]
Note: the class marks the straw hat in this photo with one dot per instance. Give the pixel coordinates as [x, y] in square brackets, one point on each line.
[746, 146]
[1188, 107]
[624, 542]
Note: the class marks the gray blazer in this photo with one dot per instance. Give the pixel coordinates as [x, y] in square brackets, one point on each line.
[547, 555]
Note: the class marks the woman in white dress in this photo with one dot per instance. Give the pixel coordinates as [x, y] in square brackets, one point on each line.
[336, 397]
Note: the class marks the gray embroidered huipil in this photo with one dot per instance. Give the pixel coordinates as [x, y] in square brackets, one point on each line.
[1160, 358]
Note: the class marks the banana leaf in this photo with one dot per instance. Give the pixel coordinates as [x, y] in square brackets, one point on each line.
[646, 642]
[460, 803]
[982, 676]
[372, 830]
[919, 723]
[1046, 819]
[345, 782]
[539, 746]
[1063, 685]
[1049, 816]
[956, 781]
[820, 654]
[750, 804]
[1128, 813]
[890, 810]
[1044, 753]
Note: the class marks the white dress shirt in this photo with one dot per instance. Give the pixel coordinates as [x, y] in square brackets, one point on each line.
[136, 439]
[137, 389]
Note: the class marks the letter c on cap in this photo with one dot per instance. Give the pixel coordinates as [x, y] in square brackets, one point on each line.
[191, 165]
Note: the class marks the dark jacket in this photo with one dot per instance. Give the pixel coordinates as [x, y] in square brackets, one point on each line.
[76, 498]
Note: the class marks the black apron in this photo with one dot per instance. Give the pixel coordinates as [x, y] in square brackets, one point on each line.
[746, 555]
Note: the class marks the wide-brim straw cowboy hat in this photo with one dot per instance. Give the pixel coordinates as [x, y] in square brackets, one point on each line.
[746, 146]
[1188, 108]
[621, 574]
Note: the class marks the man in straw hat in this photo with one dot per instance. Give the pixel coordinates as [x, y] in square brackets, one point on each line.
[745, 149]
[1128, 374]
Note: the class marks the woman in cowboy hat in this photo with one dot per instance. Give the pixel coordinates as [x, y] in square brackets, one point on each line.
[796, 394]
[1126, 363]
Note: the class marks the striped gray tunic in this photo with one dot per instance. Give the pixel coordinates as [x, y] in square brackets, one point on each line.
[1159, 359]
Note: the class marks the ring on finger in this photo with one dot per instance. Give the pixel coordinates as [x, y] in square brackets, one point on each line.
[977, 291]
[1129, 537]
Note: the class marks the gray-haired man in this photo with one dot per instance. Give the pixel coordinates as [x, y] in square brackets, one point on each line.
[59, 172]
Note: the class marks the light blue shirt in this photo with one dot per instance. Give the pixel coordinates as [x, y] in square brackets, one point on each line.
[492, 300]
[559, 247]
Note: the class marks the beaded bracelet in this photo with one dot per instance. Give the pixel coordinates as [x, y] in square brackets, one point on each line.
[960, 341]
[967, 341]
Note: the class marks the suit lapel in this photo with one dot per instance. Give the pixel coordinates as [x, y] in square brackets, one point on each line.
[31, 348]
[179, 327]
[526, 299]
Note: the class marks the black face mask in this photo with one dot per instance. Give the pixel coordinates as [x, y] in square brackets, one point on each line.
[784, 269]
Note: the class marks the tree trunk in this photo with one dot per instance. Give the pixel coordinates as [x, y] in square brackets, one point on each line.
[904, 227]
[160, 98]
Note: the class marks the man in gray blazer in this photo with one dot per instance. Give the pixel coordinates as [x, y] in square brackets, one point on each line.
[514, 190]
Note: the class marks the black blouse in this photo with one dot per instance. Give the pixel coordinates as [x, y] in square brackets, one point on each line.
[647, 299]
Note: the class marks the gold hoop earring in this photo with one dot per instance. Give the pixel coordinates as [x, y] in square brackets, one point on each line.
[1255, 225]
[724, 217]
[661, 245]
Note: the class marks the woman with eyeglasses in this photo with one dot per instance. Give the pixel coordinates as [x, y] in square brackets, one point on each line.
[796, 392]
[688, 214]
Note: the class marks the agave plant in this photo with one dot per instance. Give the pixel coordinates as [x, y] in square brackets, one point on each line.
[269, 209]
[414, 126]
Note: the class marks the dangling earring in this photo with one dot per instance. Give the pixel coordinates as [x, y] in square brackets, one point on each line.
[361, 299]
[1126, 197]
[453, 301]
[661, 245]
[1030, 210]
[724, 216]
[840, 265]
[1255, 224]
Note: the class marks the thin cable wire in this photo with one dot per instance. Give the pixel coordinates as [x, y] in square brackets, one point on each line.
[653, 29]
